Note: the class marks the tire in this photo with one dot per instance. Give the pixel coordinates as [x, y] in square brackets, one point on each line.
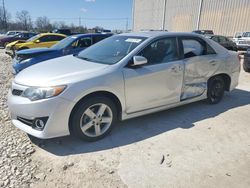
[245, 67]
[92, 127]
[216, 89]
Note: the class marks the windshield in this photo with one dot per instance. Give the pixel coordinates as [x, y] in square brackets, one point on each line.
[64, 43]
[33, 38]
[247, 34]
[111, 50]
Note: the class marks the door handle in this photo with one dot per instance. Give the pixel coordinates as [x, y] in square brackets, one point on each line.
[174, 69]
[213, 62]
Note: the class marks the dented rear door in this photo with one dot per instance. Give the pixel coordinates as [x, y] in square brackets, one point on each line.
[200, 62]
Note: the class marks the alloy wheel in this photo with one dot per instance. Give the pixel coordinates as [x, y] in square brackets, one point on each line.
[96, 120]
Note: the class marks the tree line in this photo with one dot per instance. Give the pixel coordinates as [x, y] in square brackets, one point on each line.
[23, 21]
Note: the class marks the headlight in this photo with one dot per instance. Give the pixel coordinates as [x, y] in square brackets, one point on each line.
[34, 93]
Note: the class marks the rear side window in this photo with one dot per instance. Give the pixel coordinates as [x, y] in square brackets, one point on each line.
[51, 38]
[193, 47]
[161, 51]
[98, 38]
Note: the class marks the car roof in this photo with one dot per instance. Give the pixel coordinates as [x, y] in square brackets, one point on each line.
[91, 34]
[55, 34]
[153, 34]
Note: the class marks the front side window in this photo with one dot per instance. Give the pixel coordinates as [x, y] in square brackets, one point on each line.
[161, 51]
[111, 50]
[33, 38]
[196, 47]
[84, 42]
[223, 39]
[51, 38]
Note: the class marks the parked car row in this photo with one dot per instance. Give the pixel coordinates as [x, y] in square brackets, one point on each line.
[4, 41]
[40, 40]
[120, 77]
[70, 45]
[243, 41]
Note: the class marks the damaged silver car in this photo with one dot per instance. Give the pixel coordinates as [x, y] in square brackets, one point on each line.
[121, 77]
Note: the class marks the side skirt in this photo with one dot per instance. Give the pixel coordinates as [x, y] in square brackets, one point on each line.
[126, 116]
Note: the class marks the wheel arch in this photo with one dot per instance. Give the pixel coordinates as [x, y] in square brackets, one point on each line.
[102, 93]
[225, 77]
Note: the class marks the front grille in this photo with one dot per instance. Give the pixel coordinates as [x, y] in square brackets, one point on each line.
[26, 121]
[17, 92]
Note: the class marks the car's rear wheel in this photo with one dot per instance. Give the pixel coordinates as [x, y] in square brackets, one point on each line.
[216, 89]
[247, 69]
[93, 118]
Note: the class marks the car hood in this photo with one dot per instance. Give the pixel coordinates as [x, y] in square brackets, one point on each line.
[15, 42]
[35, 51]
[59, 71]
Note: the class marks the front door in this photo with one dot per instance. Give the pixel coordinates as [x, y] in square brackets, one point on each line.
[157, 83]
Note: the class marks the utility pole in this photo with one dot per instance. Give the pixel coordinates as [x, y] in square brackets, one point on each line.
[80, 23]
[164, 15]
[126, 24]
[4, 17]
[199, 15]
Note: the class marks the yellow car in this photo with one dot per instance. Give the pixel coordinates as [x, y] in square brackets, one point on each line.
[40, 40]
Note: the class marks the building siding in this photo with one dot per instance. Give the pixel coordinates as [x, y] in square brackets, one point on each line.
[225, 17]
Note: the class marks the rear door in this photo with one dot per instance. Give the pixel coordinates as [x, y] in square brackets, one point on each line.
[201, 61]
[157, 83]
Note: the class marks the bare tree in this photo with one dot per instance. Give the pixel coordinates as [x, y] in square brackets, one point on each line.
[43, 24]
[24, 19]
[4, 18]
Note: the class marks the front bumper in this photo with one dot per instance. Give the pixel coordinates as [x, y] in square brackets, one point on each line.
[56, 109]
[243, 46]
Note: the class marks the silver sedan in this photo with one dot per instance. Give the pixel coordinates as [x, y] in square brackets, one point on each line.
[121, 77]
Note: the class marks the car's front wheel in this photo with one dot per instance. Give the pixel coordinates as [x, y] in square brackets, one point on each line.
[216, 89]
[247, 69]
[93, 118]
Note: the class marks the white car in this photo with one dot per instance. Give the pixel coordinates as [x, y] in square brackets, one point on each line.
[121, 77]
[243, 41]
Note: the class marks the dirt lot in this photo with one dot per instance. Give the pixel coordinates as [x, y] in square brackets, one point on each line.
[196, 145]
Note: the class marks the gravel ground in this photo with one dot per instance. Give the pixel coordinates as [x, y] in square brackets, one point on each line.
[197, 145]
[16, 167]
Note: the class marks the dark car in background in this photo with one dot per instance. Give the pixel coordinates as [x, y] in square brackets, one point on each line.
[70, 45]
[203, 32]
[4, 41]
[224, 41]
[246, 63]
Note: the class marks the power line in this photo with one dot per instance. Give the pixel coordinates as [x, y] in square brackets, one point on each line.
[89, 18]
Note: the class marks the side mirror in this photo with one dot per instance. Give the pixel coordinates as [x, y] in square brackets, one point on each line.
[139, 60]
[37, 41]
[239, 37]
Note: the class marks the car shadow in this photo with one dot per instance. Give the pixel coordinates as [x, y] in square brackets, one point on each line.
[138, 129]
